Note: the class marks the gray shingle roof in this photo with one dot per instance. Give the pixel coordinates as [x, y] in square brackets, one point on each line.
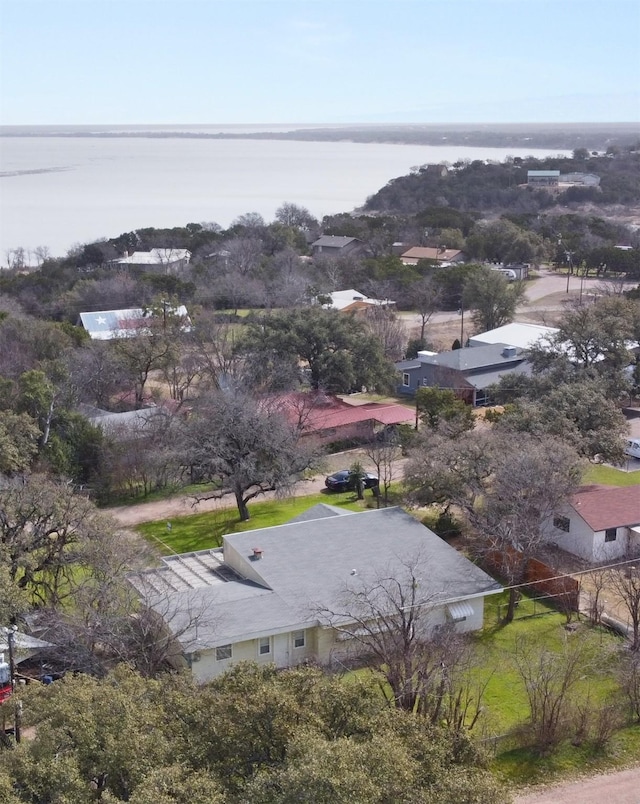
[484, 379]
[476, 357]
[320, 511]
[308, 565]
[334, 241]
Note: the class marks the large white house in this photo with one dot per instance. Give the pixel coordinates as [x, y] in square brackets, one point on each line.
[261, 596]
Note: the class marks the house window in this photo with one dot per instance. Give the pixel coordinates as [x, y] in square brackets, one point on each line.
[223, 652]
[298, 639]
[610, 534]
[406, 380]
[562, 523]
[264, 646]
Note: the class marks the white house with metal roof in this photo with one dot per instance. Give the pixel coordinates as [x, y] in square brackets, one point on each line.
[543, 178]
[353, 301]
[168, 260]
[263, 592]
[522, 336]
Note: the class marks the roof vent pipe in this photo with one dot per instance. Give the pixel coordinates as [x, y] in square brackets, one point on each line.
[257, 553]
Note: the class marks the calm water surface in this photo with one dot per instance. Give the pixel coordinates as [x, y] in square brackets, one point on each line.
[57, 192]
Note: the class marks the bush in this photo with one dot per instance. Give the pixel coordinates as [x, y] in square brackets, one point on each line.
[442, 523]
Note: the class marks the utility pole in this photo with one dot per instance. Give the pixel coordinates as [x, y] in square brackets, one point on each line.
[11, 636]
[569, 255]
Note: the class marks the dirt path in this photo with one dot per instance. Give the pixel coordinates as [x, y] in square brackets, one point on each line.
[183, 505]
[616, 788]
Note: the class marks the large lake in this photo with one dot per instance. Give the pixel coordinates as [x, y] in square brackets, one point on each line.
[57, 192]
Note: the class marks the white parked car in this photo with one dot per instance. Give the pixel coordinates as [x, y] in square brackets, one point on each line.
[632, 447]
[508, 274]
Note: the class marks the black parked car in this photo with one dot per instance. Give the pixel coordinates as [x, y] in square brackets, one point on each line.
[344, 481]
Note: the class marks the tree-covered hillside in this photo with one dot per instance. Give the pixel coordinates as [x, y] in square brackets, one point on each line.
[493, 187]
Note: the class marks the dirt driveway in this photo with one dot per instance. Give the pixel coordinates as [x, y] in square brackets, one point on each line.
[615, 788]
[183, 505]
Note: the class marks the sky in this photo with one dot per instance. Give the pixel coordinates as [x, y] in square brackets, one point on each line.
[65, 62]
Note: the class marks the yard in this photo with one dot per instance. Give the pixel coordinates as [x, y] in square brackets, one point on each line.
[605, 475]
[506, 701]
[185, 534]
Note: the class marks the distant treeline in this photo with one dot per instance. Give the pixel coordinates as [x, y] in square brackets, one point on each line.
[553, 137]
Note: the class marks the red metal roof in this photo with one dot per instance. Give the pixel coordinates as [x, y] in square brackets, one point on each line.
[319, 412]
[604, 507]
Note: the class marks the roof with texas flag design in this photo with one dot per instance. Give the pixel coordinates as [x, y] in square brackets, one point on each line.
[104, 325]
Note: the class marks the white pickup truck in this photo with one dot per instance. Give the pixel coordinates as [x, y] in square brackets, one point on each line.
[632, 447]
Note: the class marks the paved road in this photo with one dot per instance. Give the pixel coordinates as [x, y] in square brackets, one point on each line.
[549, 284]
[613, 788]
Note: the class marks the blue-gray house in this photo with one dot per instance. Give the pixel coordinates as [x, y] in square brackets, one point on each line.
[469, 372]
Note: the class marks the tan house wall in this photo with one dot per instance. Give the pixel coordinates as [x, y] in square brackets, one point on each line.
[283, 654]
[322, 645]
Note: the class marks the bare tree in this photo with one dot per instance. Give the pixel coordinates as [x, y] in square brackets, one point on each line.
[148, 346]
[387, 619]
[243, 255]
[507, 488]
[597, 583]
[244, 448]
[425, 298]
[626, 583]
[97, 372]
[118, 617]
[385, 325]
[629, 674]
[16, 259]
[142, 456]
[385, 452]
[290, 214]
[215, 346]
[548, 677]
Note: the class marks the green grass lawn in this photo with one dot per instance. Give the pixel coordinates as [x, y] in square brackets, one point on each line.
[535, 623]
[201, 531]
[506, 702]
[608, 476]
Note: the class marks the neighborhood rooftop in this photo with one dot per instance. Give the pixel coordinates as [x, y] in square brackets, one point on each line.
[524, 336]
[604, 507]
[293, 571]
[333, 241]
[104, 325]
[476, 358]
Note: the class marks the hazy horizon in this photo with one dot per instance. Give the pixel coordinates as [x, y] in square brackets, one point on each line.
[321, 62]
